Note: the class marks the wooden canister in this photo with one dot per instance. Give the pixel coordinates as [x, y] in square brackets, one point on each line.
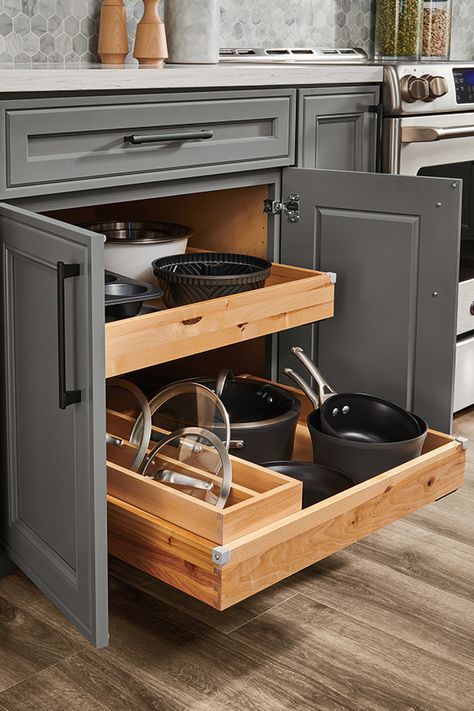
[113, 43]
[150, 42]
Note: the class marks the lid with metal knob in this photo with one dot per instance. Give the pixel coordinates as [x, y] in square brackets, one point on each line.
[192, 430]
[195, 461]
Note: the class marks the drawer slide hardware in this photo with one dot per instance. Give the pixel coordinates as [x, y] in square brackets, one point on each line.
[221, 555]
[290, 207]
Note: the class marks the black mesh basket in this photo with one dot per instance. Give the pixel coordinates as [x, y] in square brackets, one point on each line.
[187, 278]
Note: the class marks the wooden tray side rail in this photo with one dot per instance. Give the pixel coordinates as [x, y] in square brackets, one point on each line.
[279, 550]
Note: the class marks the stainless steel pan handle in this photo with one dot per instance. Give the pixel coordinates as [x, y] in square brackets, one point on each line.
[324, 389]
[308, 391]
[221, 381]
[427, 134]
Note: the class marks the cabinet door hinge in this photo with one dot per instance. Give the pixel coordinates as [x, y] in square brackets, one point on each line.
[290, 207]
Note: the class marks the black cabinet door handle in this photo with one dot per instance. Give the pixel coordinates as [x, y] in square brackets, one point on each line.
[166, 137]
[66, 397]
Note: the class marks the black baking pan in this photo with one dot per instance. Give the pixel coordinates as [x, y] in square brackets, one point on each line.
[188, 278]
[124, 297]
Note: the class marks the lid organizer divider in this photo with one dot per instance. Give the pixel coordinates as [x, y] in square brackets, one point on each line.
[258, 496]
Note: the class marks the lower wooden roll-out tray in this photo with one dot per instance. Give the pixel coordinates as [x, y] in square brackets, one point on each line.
[270, 537]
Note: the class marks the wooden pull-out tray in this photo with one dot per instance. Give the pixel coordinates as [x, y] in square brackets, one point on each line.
[222, 575]
[292, 297]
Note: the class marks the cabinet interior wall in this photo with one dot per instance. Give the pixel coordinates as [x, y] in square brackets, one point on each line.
[225, 220]
[230, 220]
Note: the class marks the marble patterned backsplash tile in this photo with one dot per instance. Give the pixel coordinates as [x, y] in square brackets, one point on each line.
[66, 30]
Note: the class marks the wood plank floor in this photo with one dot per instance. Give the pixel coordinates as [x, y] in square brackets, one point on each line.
[385, 625]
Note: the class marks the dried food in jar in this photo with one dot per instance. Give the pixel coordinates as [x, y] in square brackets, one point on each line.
[398, 28]
[436, 30]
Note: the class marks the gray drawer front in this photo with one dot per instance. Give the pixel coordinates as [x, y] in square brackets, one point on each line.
[465, 303]
[81, 145]
[464, 380]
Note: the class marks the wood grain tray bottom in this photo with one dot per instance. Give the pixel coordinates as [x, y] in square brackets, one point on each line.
[223, 575]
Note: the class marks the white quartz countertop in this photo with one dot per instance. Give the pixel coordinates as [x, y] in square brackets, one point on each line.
[20, 79]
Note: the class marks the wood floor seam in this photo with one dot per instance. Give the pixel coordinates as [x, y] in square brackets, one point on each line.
[282, 602]
[391, 634]
[38, 673]
[127, 670]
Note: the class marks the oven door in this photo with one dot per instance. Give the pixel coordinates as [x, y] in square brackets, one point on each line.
[414, 142]
[443, 146]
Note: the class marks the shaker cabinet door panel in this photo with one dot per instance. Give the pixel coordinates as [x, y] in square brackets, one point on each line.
[53, 433]
[394, 243]
[337, 129]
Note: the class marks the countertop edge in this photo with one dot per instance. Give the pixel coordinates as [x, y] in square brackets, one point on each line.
[18, 81]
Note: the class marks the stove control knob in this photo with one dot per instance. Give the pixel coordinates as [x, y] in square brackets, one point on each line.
[414, 88]
[438, 87]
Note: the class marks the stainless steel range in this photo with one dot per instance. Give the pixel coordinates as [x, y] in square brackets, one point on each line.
[429, 130]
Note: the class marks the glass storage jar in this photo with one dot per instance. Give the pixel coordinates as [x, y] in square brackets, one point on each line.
[436, 29]
[398, 29]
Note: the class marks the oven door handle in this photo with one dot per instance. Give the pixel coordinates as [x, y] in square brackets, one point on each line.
[426, 134]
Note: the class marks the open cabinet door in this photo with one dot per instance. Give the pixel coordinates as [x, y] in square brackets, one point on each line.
[394, 243]
[53, 413]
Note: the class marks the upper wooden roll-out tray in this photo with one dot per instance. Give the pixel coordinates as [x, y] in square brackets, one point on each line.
[292, 297]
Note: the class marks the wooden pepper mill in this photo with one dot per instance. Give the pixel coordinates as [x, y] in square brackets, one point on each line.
[113, 42]
[150, 42]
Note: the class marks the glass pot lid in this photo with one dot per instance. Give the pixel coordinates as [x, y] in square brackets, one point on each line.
[129, 398]
[195, 461]
[185, 404]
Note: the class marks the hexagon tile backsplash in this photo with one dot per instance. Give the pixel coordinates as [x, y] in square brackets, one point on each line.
[66, 30]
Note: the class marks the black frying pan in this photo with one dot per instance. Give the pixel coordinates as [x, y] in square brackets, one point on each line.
[319, 482]
[359, 417]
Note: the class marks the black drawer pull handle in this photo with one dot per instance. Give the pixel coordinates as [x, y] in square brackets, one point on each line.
[166, 137]
[66, 397]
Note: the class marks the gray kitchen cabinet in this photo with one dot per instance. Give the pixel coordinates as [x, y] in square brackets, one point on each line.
[98, 142]
[337, 128]
[381, 233]
[393, 242]
[53, 430]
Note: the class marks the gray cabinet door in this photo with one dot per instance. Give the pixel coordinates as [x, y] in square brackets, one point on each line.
[337, 129]
[53, 453]
[394, 243]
